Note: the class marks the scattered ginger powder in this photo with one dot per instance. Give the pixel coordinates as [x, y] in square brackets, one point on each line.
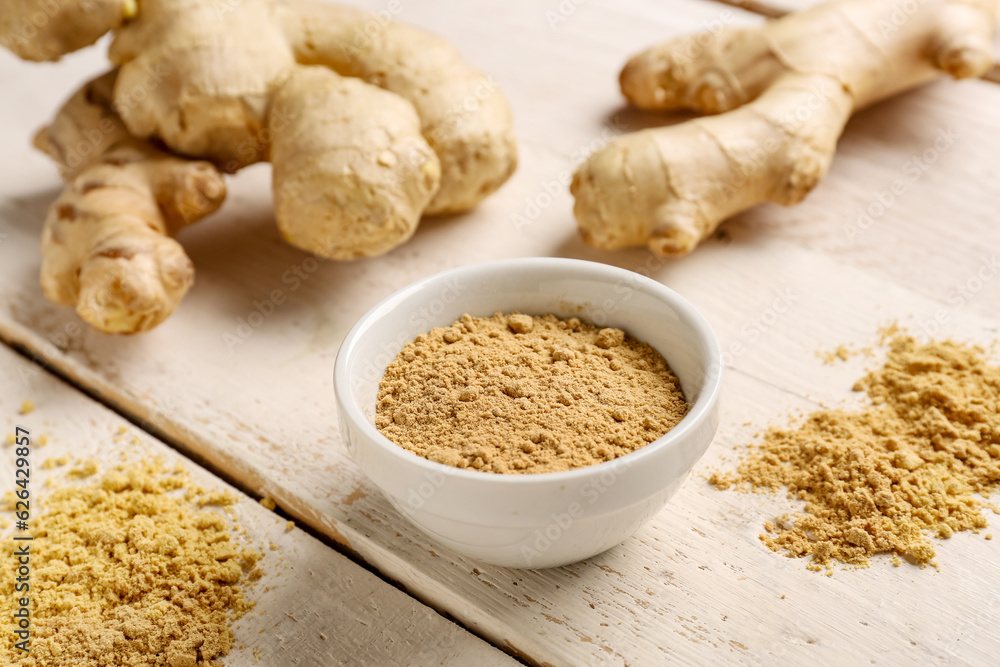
[522, 394]
[916, 462]
[126, 573]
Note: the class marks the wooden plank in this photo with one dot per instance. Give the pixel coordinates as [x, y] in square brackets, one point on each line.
[314, 606]
[695, 585]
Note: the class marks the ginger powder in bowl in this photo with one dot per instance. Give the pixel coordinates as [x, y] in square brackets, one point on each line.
[527, 394]
[430, 399]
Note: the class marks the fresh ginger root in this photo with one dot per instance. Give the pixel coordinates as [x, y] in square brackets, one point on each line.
[369, 124]
[783, 93]
[43, 30]
[107, 245]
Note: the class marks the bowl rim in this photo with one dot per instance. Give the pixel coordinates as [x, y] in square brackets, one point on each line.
[700, 411]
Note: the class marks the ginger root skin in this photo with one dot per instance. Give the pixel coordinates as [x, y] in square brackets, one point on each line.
[463, 113]
[107, 246]
[46, 30]
[782, 94]
[201, 79]
[222, 74]
[347, 184]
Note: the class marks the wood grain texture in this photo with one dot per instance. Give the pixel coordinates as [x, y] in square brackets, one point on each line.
[694, 586]
[313, 605]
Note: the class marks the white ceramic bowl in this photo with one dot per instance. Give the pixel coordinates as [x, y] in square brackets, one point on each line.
[546, 519]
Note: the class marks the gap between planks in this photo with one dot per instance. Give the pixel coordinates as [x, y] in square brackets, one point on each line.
[241, 485]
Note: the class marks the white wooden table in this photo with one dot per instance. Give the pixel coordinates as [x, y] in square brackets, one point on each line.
[694, 586]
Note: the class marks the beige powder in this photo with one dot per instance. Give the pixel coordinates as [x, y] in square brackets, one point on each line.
[914, 463]
[126, 573]
[522, 394]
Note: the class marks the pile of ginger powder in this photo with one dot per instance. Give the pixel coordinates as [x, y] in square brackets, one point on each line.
[917, 462]
[130, 569]
[519, 394]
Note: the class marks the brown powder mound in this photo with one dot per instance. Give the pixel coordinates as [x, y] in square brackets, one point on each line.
[127, 574]
[913, 464]
[522, 394]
